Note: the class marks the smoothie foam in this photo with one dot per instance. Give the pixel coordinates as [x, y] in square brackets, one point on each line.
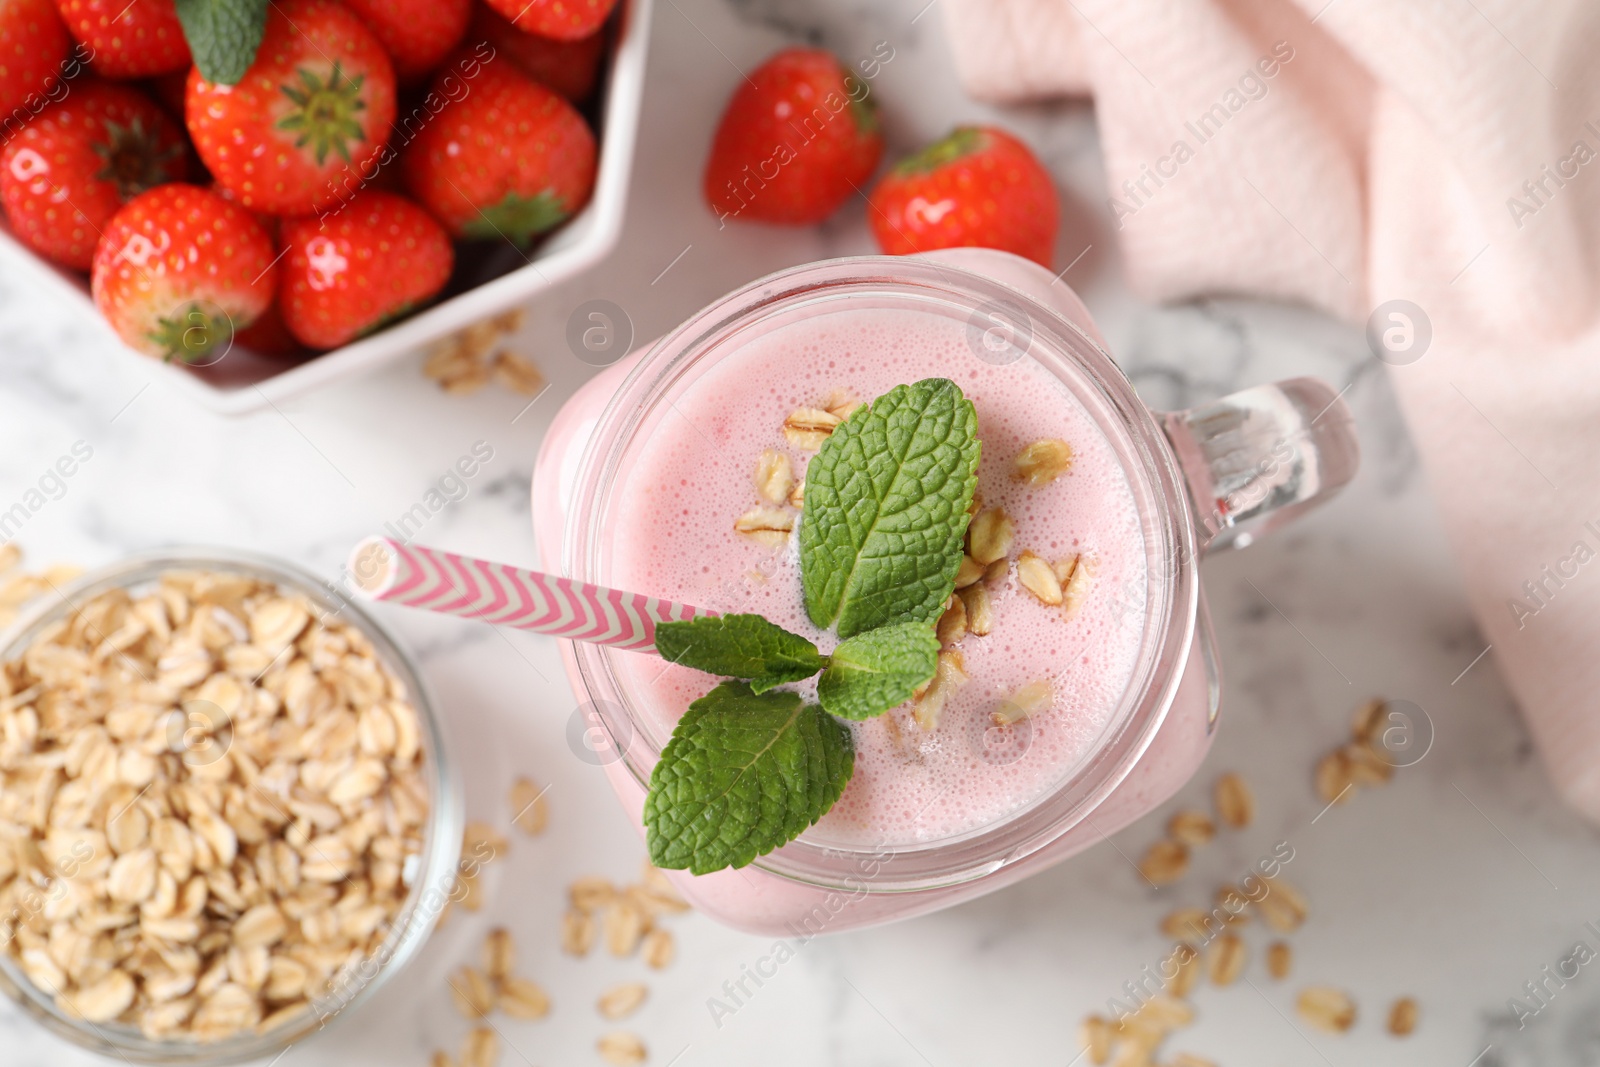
[673, 536]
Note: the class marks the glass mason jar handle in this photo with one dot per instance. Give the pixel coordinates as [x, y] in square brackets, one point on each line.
[1257, 458]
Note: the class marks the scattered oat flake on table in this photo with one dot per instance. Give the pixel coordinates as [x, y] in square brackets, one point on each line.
[529, 811]
[591, 893]
[523, 998]
[1368, 766]
[1226, 959]
[499, 954]
[482, 842]
[518, 374]
[1236, 804]
[658, 886]
[1333, 779]
[1403, 1017]
[464, 362]
[624, 925]
[1284, 907]
[577, 933]
[622, 1049]
[1367, 725]
[1164, 862]
[472, 992]
[1187, 974]
[1095, 1037]
[1193, 828]
[481, 1048]
[657, 949]
[1328, 1009]
[1187, 924]
[1280, 957]
[623, 1000]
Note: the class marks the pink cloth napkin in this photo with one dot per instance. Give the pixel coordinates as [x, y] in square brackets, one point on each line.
[1347, 153]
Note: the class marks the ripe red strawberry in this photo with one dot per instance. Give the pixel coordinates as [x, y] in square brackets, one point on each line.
[509, 159]
[568, 67]
[179, 270]
[979, 187]
[565, 20]
[417, 33]
[305, 126]
[74, 166]
[352, 271]
[33, 50]
[268, 336]
[798, 138]
[128, 38]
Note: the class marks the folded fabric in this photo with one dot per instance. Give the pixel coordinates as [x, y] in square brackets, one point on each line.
[1429, 168]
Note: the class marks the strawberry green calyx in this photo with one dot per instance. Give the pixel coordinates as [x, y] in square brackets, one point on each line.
[134, 158]
[325, 112]
[958, 143]
[193, 334]
[517, 218]
[864, 110]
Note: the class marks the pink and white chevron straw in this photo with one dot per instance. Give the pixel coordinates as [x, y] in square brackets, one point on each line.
[504, 595]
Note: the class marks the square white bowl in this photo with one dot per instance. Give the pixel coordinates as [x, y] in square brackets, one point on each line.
[243, 382]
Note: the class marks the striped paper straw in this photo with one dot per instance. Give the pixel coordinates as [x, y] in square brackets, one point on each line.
[421, 577]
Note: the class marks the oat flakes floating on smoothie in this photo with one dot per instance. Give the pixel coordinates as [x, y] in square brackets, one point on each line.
[807, 428]
[766, 526]
[1042, 462]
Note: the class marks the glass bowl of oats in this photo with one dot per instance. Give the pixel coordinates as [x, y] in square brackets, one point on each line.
[226, 815]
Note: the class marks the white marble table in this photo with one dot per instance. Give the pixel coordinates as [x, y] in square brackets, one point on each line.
[1456, 884]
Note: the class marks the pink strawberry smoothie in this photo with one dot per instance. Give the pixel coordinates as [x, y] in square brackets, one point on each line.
[674, 537]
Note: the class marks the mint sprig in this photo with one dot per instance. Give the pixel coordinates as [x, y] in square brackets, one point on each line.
[740, 646]
[744, 773]
[886, 506]
[223, 36]
[878, 670]
[750, 766]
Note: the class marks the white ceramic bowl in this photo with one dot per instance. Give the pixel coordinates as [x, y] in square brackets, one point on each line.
[243, 381]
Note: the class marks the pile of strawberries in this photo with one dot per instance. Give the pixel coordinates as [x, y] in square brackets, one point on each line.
[293, 172]
[801, 136]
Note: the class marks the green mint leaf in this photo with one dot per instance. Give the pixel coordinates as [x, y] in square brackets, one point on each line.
[740, 646]
[878, 670]
[886, 506]
[743, 774]
[223, 36]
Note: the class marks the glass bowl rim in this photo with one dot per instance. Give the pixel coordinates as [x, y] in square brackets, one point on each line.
[437, 862]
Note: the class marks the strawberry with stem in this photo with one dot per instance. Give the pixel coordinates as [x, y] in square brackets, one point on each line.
[179, 270]
[977, 187]
[305, 126]
[351, 272]
[80, 160]
[510, 159]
